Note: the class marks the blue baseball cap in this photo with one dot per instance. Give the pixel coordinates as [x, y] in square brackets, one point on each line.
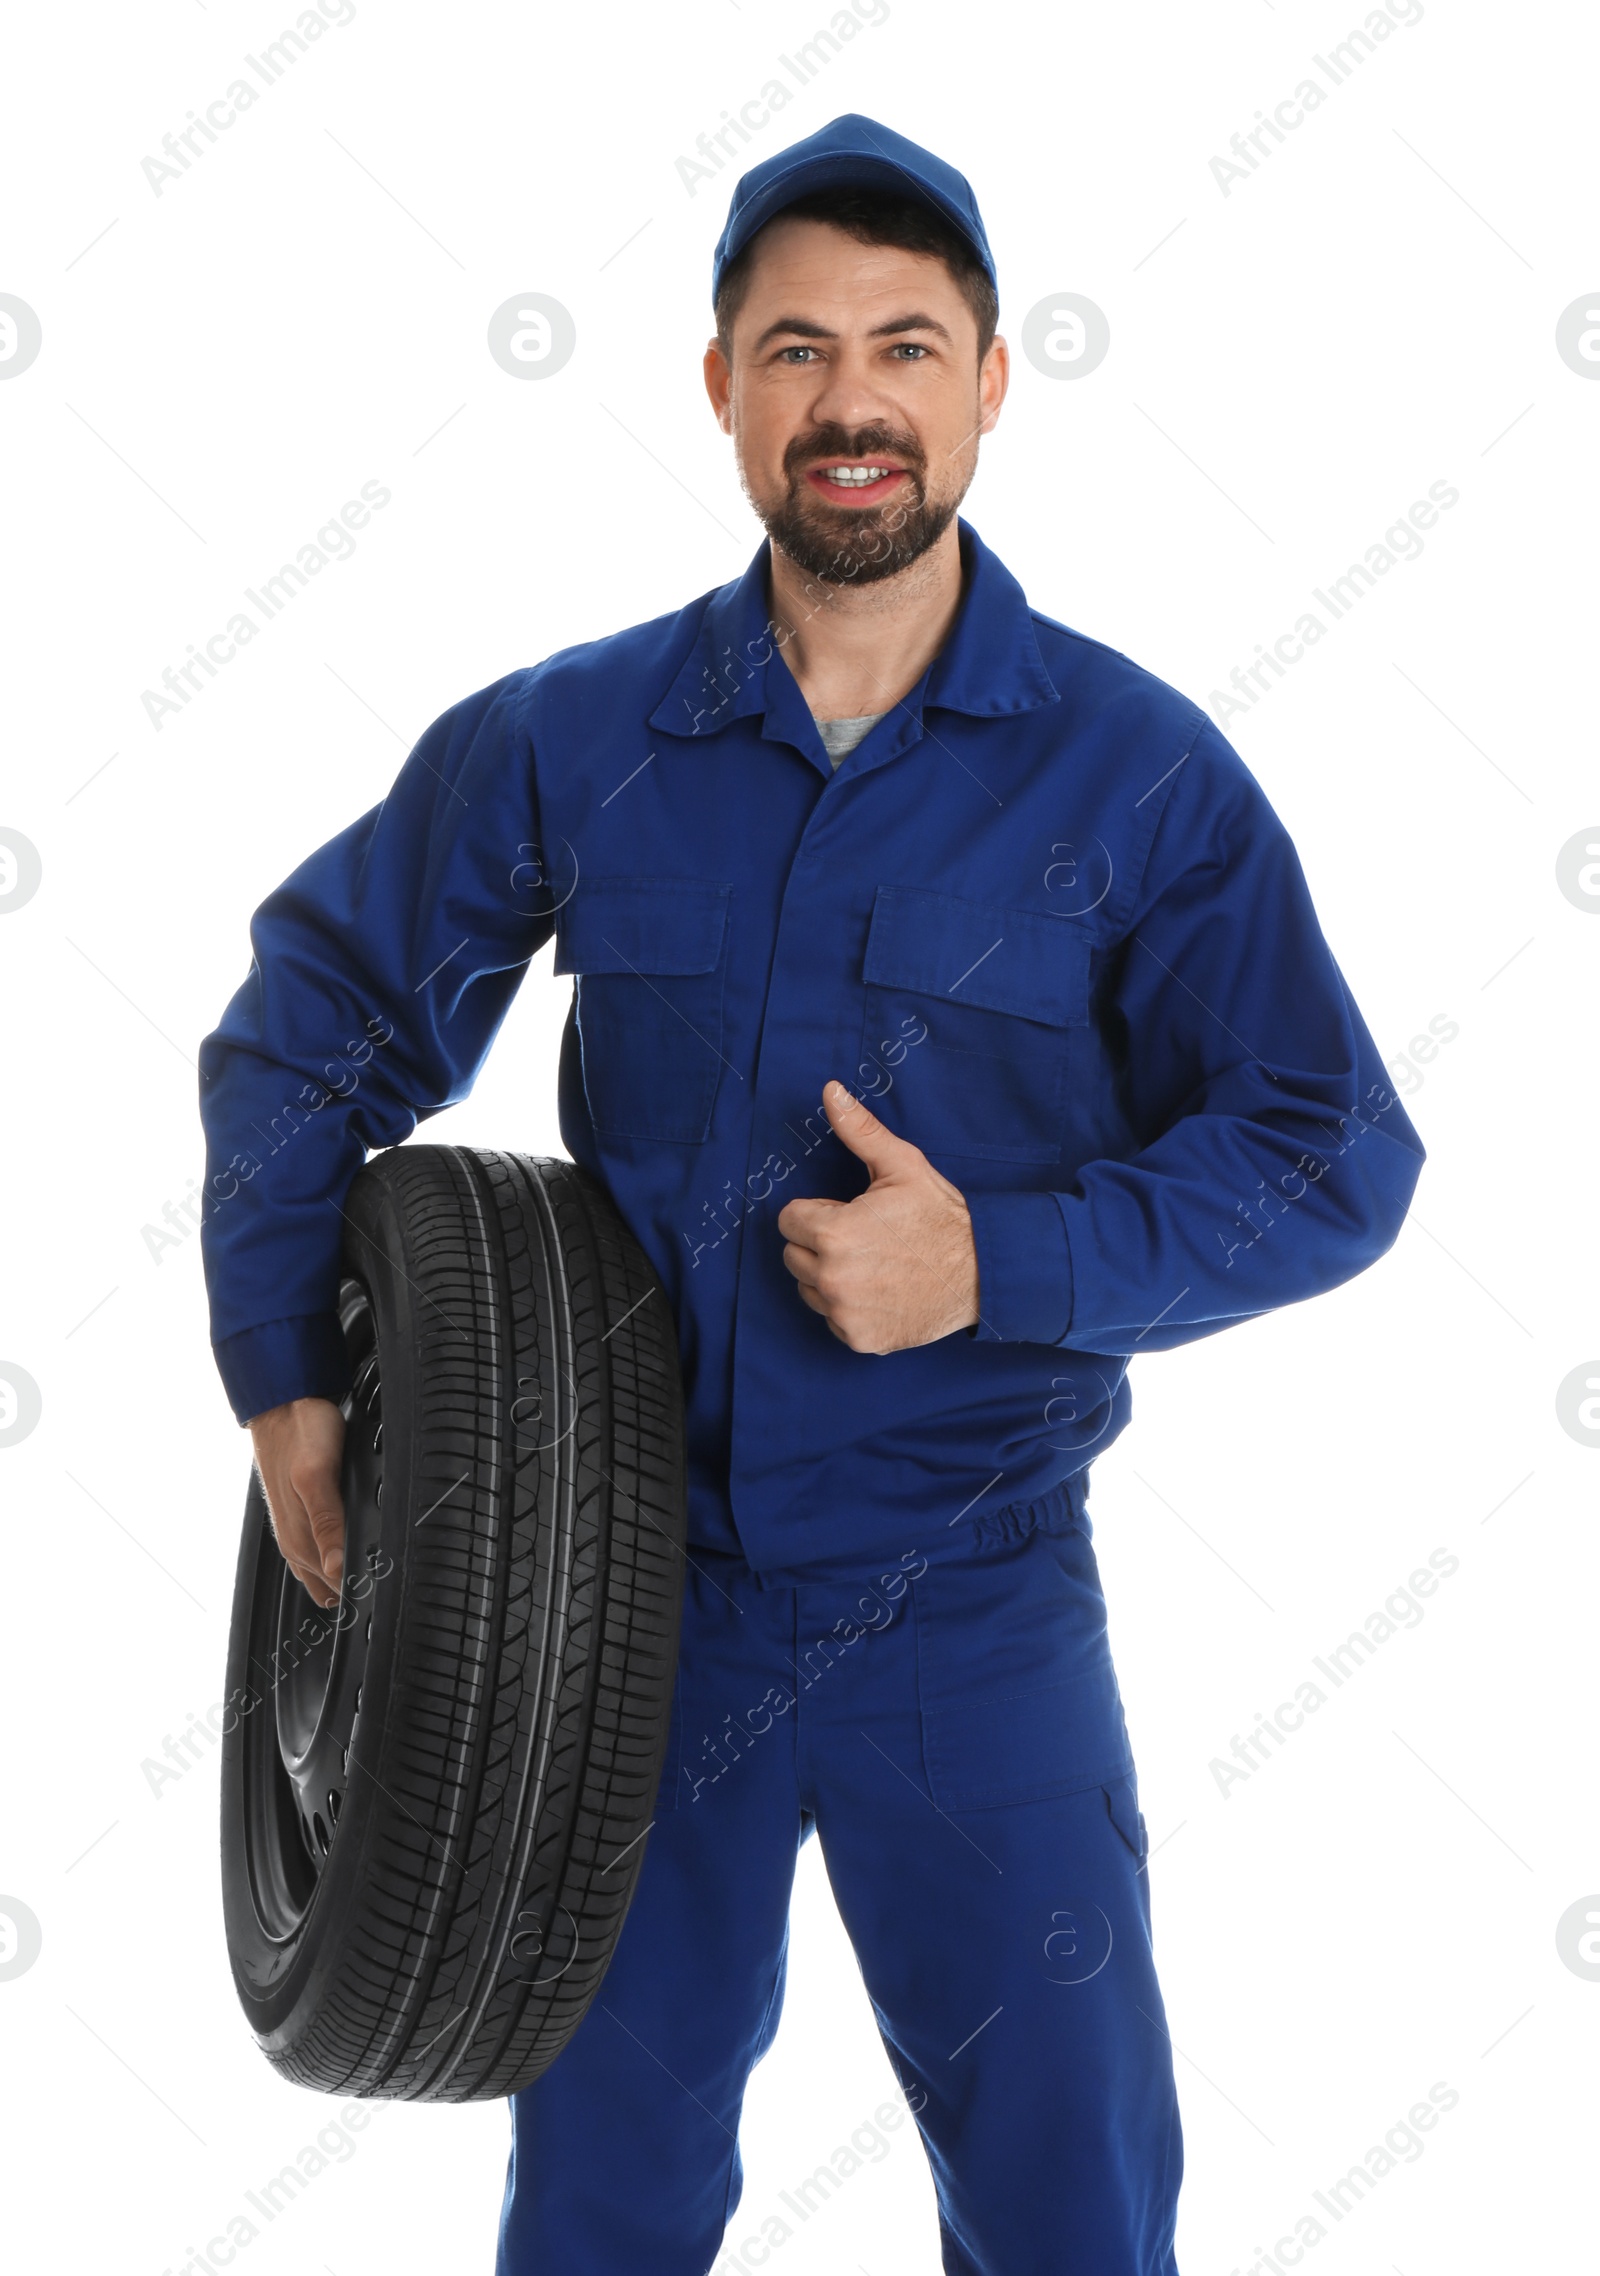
[857, 153]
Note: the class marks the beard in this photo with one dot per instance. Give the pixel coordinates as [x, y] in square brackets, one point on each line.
[855, 545]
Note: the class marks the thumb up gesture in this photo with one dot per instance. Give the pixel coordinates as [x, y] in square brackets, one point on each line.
[896, 1266]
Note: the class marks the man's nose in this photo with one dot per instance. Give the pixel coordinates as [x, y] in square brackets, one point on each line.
[851, 395]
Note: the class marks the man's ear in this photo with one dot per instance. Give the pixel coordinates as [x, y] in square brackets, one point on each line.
[994, 378]
[719, 384]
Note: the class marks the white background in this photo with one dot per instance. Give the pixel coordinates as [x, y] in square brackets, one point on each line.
[1291, 366]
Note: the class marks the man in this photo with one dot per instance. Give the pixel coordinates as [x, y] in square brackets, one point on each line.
[952, 1023]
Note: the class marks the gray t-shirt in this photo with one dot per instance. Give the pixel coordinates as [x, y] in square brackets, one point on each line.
[840, 736]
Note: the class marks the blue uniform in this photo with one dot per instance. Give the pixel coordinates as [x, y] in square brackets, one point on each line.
[1046, 922]
[946, 1720]
[1043, 919]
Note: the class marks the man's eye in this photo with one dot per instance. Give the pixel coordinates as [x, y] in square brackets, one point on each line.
[909, 348]
[796, 351]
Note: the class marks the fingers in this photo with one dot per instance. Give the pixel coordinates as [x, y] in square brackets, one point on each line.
[863, 1264]
[316, 1484]
[311, 1580]
[893, 1268]
[303, 1556]
[872, 1141]
[299, 1447]
[297, 1545]
[810, 1295]
[804, 1221]
[804, 1264]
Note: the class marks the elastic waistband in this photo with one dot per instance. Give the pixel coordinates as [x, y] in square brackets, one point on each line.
[1062, 1508]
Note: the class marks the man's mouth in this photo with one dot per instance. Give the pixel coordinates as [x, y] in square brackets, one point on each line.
[862, 481]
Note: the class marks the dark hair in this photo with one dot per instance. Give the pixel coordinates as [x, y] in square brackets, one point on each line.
[873, 217]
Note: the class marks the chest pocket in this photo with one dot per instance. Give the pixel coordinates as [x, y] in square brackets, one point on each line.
[650, 954]
[967, 1023]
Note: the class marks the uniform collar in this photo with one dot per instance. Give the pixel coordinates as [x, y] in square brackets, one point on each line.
[989, 667]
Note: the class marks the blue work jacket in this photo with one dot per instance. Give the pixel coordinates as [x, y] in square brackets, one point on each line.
[1043, 919]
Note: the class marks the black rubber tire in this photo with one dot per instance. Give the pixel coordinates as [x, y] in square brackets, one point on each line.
[435, 1799]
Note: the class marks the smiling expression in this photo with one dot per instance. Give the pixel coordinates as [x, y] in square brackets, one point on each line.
[855, 399]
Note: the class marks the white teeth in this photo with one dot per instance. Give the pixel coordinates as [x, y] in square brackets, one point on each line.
[857, 474]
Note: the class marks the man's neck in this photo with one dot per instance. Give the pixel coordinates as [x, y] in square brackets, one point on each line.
[862, 648]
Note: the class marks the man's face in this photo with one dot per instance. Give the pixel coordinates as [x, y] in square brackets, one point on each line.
[855, 399]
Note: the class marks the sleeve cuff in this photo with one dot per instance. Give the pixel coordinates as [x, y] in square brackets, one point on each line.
[1024, 1268]
[299, 1358]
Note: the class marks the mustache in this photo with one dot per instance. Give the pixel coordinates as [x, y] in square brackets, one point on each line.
[823, 445]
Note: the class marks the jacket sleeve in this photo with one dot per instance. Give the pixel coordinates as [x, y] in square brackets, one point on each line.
[383, 968]
[1274, 1160]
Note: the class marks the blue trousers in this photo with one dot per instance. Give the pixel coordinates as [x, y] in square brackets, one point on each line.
[948, 1723]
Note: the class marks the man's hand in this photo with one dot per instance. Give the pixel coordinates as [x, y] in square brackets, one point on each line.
[896, 1266]
[298, 1448]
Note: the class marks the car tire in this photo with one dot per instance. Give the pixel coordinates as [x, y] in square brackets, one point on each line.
[436, 1796]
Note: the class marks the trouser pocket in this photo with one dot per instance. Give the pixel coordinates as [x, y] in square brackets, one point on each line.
[1017, 1692]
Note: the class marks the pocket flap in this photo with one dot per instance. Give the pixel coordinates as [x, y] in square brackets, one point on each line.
[642, 924]
[1122, 1800]
[1003, 960]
